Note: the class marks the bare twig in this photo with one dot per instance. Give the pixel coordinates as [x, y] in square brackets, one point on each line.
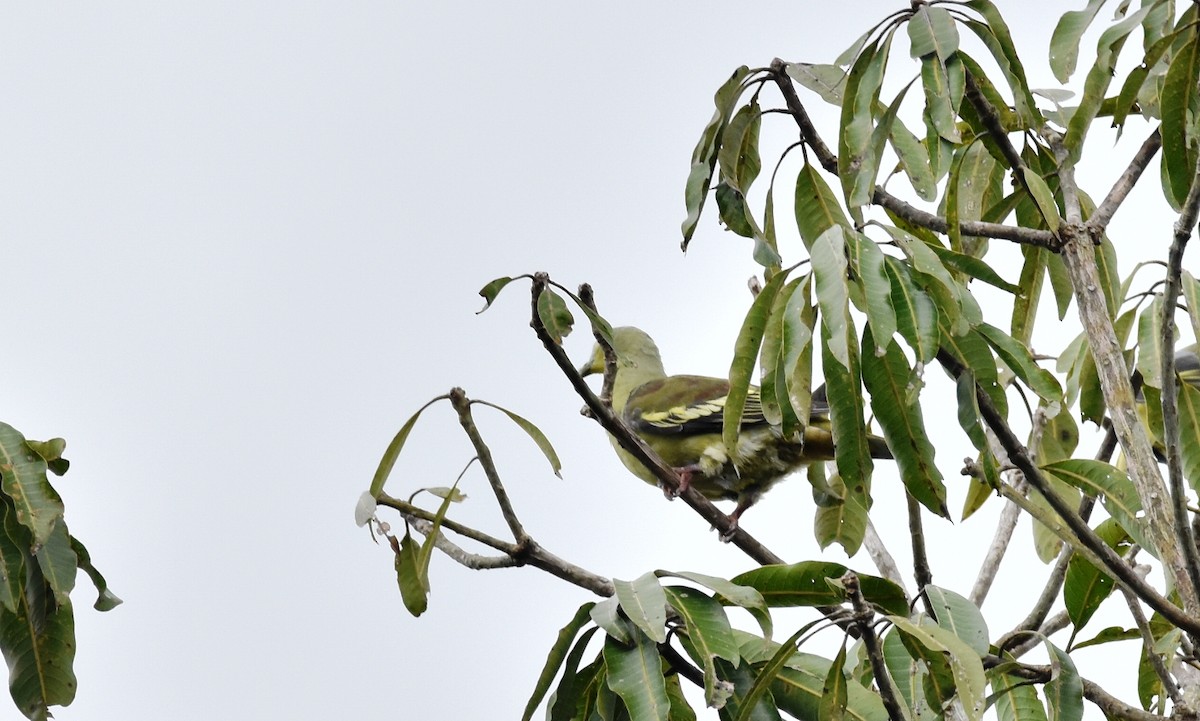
[999, 546]
[462, 405]
[863, 615]
[884, 563]
[921, 571]
[531, 554]
[1156, 661]
[1120, 190]
[1170, 388]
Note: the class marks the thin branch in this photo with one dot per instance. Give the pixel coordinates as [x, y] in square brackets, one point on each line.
[636, 447]
[1091, 545]
[1078, 256]
[1120, 190]
[921, 571]
[883, 198]
[995, 553]
[1156, 661]
[473, 561]
[1112, 706]
[863, 616]
[884, 562]
[531, 554]
[1170, 388]
[458, 398]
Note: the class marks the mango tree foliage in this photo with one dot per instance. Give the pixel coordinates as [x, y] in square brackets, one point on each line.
[39, 560]
[943, 156]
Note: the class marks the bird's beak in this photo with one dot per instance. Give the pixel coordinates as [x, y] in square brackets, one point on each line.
[587, 369]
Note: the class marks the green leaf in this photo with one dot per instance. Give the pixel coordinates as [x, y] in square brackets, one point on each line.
[533, 432]
[798, 689]
[1108, 48]
[38, 642]
[959, 616]
[1191, 296]
[491, 290]
[943, 94]
[868, 263]
[1016, 698]
[1113, 486]
[1017, 356]
[830, 269]
[1064, 43]
[23, 479]
[745, 353]
[996, 36]
[828, 81]
[554, 314]
[914, 160]
[734, 213]
[645, 604]
[932, 32]
[1180, 103]
[1189, 432]
[58, 563]
[388, 462]
[894, 402]
[704, 157]
[635, 674]
[1085, 587]
[742, 678]
[916, 314]
[578, 687]
[708, 631]
[14, 554]
[558, 654]
[1064, 692]
[973, 267]
[414, 589]
[817, 208]
[1109, 635]
[1044, 198]
[107, 600]
[841, 517]
[965, 665]
[738, 157]
[1150, 344]
[804, 584]
[835, 692]
[855, 138]
[908, 676]
[726, 590]
[605, 615]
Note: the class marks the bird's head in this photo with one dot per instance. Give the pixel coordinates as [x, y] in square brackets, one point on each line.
[634, 349]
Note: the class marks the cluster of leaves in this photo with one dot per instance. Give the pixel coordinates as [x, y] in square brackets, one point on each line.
[875, 301]
[39, 560]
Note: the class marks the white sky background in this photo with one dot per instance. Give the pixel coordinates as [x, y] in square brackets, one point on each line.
[242, 245]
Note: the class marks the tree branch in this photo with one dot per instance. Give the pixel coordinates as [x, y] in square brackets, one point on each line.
[863, 615]
[462, 405]
[1091, 544]
[883, 198]
[1120, 190]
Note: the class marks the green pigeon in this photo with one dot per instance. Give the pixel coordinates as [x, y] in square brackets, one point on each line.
[680, 418]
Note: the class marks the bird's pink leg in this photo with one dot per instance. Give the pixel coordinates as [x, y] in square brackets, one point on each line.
[685, 474]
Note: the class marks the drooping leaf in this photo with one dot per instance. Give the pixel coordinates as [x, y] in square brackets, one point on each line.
[558, 654]
[554, 314]
[841, 517]
[745, 353]
[932, 32]
[708, 630]
[645, 604]
[1064, 692]
[1085, 587]
[388, 462]
[855, 138]
[1064, 43]
[959, 616]
[994, 33]
[828, 81]
[58, 563]
[916, 314]
[491, 290]
[23, 479]
[414, 588]
[1180, 104]
[869, 275]
[635, 674]
[704, 157]
[817, 207]
[965, 664]
[535, 433]
[38, 642]
[888, 379]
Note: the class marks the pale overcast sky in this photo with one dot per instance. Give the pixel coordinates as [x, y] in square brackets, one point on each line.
[242, 244]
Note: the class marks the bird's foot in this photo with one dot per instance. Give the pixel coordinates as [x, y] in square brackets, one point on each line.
[727, 535]
[685, 482]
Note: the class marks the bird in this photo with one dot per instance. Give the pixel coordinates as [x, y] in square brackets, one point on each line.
[680, 418]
